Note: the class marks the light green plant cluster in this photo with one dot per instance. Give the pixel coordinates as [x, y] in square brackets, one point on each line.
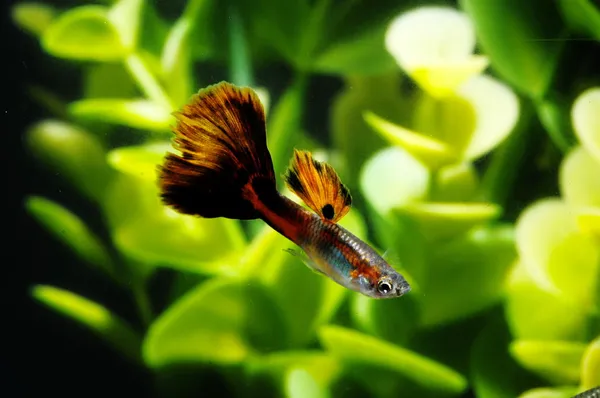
[497, 308]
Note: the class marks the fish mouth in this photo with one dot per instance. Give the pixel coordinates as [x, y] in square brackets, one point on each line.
[402, 289]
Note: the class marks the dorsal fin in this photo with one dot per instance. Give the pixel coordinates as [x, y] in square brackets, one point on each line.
[319, 186]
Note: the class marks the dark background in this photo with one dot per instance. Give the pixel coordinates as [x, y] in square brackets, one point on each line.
[43, 352]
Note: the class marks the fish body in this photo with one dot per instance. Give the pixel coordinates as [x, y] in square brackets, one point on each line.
[351, 262]
[224, 169]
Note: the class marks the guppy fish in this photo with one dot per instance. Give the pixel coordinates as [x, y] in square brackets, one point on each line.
[224, 169]
[591, 393]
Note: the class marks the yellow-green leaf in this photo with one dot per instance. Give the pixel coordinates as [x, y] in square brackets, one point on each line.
[551, 246]
[354, 347]
[532, 311]
[585, 116]
[590, 365]
[301, 384]
[433, 153]
[33, 17]
[140, 114]
[557, 361]
[392, 178]
[434, 45]
[73, 153]
[93, 316]
[219, 322]
[71, 231]
[578, 180]
[140, 161]
[547, 392]
[84, 33]
[147, 231]
[444, 220]
[176, 62]
[126, 16]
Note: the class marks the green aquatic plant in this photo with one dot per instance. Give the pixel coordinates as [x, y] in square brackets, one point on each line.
[558, 267]
[430, 143]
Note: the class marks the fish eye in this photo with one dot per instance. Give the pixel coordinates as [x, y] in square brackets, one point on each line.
[384, 287]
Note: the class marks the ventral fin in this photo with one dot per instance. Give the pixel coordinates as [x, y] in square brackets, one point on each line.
[307, 261]
[319, 186]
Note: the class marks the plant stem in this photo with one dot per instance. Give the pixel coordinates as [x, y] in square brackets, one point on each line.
[146, 81]
[504, 167]
[285, 121]
[129, 275]
[432, 185]
[240, 65]
[143, 303]
[313, 34]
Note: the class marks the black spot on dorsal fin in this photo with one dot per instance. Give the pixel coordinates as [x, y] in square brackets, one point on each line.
[328, 211]
[319, 186]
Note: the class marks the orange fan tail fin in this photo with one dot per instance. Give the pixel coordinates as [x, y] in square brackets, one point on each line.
[319, 186]
[221, 137]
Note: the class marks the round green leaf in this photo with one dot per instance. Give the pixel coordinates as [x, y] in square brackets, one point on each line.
[585, 115]
[432, 152]
[484, 255]
[218, 322]
[140, 161]
[429, 35]
[108, 80]
[539, 229]
[392, 178]
[147, 231]
[456, 183]
[590, 365]
[125, 16]
[551, 247]
[71, 231]
[451, 120]
[578, 178]
[84, 33]
[434, 45]
[139, 114]
[444, 220]
[354, 347]
[73, 153]
[95, 317]
[473, 120]
[301, 384]
[558, 392]
[33, 17]
[321, 366]
[531, 311]
[496, 109]
[557, 361]
[588, 220]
